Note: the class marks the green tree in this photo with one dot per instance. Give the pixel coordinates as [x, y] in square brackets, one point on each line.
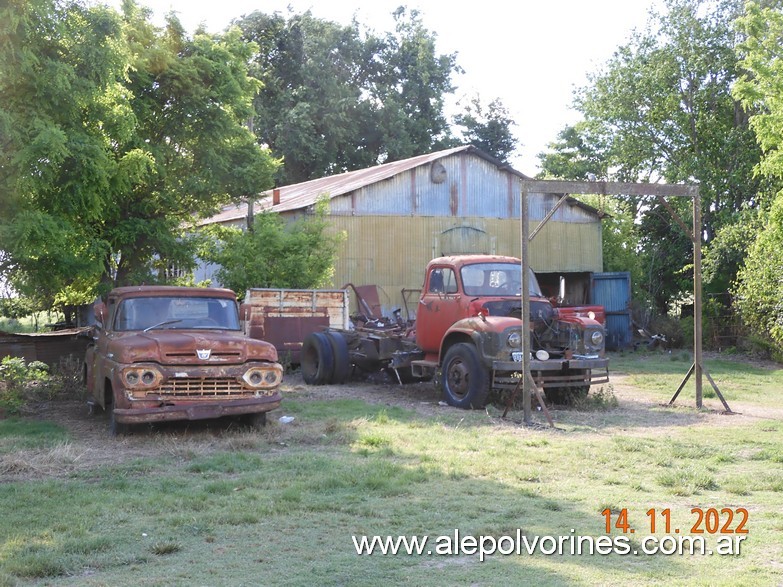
[190, 148]
[311, 110]
[488, 127]
[60, 102]
[120, 135]
[759, 285]
[299, 255]
[578, 154]
[661, 109]
[339, 98]
[411, 87]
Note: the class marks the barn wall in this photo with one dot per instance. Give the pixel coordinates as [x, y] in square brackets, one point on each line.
[392, 251]
[461, 185]
[460, 203]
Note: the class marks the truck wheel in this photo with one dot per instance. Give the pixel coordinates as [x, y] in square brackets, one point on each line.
[117, 428]
[342, 360]
[317, 359]
[465, 381]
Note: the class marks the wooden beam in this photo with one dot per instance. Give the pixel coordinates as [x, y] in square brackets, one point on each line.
[698, 359]
[676, 217]
[631, 189]
[608, 187]
[547, 217]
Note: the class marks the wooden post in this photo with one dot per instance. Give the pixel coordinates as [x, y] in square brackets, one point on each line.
[697, 305]
[523, 215]
[631, 189]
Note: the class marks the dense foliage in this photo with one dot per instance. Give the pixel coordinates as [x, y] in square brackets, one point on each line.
[488, 127]
[662, 109]
[338, 98]
[117, 135]
[759, 286]
[300, 255]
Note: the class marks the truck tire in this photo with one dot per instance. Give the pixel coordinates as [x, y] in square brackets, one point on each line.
[342, 360]
[465, 381]
[317, 359]
[117, 428]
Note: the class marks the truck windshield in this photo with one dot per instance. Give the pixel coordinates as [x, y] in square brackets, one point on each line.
[496, 279]
[185, 313]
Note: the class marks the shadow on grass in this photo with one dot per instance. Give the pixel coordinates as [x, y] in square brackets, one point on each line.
[303, 507]
[281, 506]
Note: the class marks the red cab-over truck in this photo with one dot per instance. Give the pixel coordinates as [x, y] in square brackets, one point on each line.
[468, 337]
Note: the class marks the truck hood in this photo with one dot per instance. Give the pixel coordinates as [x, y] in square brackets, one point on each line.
[180, 347]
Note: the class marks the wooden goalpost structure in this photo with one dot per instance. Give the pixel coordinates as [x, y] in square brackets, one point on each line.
[660, 191]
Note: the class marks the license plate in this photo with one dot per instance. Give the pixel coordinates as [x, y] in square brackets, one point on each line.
[516, 356]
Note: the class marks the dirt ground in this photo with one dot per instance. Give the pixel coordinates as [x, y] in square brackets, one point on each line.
[89, 444]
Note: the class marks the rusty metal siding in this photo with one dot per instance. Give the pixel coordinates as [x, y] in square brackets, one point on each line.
[539, 206]
[469, 186]
[47, 347]
[410, 192]
[390, 196]
[400, 215]
[486, 189]
[392, 251]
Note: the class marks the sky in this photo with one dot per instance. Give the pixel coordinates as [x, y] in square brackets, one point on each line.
[529, 54]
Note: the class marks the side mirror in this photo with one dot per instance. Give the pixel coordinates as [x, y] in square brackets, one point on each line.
[101, 313]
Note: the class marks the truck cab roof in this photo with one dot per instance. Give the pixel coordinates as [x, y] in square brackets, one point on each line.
[171, 290]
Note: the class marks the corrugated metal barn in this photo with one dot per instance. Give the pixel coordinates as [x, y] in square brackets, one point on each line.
[400, 215]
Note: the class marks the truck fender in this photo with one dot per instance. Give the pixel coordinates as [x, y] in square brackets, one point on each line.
[478, 331]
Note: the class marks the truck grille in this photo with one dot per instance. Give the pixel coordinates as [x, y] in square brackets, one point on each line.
[191, 355]
[203, 387]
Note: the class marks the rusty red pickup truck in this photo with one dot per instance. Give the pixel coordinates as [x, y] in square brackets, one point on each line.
[162, 353]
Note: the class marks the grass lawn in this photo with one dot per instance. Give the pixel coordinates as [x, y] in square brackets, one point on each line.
[227, 506]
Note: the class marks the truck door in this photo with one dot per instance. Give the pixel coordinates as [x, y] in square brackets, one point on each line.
[439, 308]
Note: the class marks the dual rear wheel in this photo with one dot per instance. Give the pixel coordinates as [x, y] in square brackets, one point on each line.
[325, 358]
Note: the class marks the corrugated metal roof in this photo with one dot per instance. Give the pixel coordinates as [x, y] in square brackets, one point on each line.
[301, 195]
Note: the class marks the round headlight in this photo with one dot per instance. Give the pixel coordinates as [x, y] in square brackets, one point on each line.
[597, 338]
[254, 377]
[270, 377]
[148, 377]
[131, 377]
[515, 340]
[591, 315]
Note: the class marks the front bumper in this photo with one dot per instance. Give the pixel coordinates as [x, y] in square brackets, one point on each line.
[196, 410]
[552, 373]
